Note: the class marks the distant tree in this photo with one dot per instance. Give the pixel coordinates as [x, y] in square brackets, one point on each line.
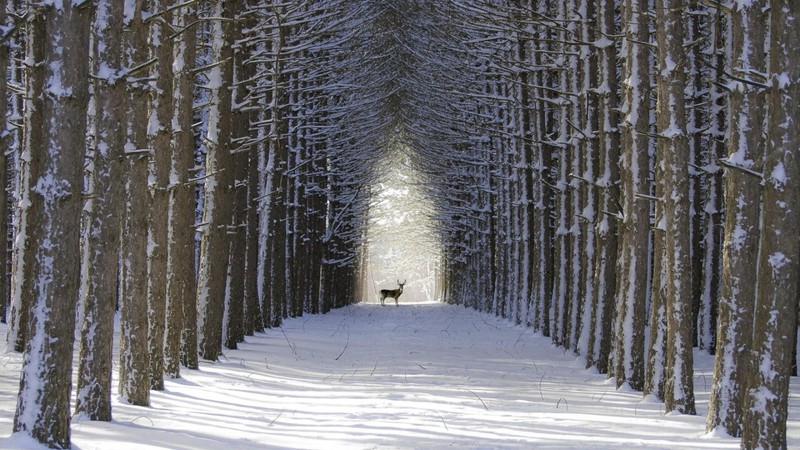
[57, 89]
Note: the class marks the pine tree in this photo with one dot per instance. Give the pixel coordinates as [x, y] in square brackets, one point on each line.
[58, 90]
[632, 265]
[775, 321]
[134, 378]
[100, 294]
[218, 207]
[159, 136]
[749, 27]
[181, 309]
[673, 148]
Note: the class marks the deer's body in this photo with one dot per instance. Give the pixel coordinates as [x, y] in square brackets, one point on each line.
[392, 293]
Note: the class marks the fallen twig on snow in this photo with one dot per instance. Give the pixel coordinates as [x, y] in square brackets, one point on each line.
[479, 398]
[347, 344]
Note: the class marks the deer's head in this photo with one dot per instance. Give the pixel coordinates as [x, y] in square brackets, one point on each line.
[401, 284]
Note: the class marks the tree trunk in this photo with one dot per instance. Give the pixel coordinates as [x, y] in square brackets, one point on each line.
[608, 214]
[218, 208]
[253, 319]
[714, 207]
[58, 90]
[589, 154]
[779, 257]
[5, 139]
[134, 379]
[749, 25]
[100, 294]
[674, 149]
[159, 135]
[632, 271]
[181, 308]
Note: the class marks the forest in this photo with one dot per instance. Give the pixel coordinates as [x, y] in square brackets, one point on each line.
[619, 176]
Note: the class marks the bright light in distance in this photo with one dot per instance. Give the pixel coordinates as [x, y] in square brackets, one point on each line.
[401, 241]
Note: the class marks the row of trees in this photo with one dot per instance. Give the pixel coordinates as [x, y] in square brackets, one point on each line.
[634, 190]
[607, 173]
[201, 167]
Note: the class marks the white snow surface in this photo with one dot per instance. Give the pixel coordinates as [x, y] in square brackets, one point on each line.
[425, 375]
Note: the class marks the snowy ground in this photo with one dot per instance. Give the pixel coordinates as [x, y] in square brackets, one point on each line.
[417, 376]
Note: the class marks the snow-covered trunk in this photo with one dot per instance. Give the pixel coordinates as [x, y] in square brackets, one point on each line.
[20, 258]
[713, 206]
[294, 257]
[180, 344]
[241, 145]
[632, 265]
[525, 179]
[697, 74]
[134, 380]
[17, 314]
[159, 135]
[253, 320]
[673, 147]
[574, 140]
[57, 89]
[511, 246]
[99, 296]
[325, 271]
[775, 318]
[5, 140]
[317, 230]
[266, 177]
[543, 193]
[516, 217]
[562, 258]
[278, 132]
[218, 199]
[608, 213]
[746, 47]
[498, 177]
[657, 338]
[589, 153]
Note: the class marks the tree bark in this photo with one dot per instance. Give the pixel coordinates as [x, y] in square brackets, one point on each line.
[100, 294]
[218, 208]
[609, 196]
[58, 90]
[134, 380]
[749, 25]
[779, 257]
[674, 149]
[5, 139]
[181, 308]
[632, 269]
[159, 134]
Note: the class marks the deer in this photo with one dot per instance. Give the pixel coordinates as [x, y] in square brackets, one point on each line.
[393, 293]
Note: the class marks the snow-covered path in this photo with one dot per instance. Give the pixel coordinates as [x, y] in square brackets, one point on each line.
[417, 376]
